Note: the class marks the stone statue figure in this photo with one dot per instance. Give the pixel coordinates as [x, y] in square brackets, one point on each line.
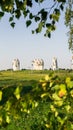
[16, 64]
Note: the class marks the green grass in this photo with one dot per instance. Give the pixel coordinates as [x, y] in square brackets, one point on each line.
[29, 77]
[11, 77]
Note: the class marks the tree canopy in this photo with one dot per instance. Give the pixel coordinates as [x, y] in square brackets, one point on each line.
[69, 23]
[46, 16]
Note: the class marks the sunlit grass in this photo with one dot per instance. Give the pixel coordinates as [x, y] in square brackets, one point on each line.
[16, 77]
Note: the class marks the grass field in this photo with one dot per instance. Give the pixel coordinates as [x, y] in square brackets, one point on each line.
[32, 74]
[11, 77]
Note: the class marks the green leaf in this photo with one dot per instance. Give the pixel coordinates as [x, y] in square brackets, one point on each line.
[49, 34]
[53, 22]
[7, 119]
[68, 79]
[48, 25]
[56, 87]
[62, 86]
[17, 93]
[50, 16]
[44, 95]
[40, 26]
[53, 27]
[49, 28]
[57, 11]
[37, 30]
[28, 23]
[11, 19]
[61, 6]
[0, 95]
[56, 97]
[37, 1]
[31, 16]
[37, 19]
[55, 17]
[1, 119]
[61, 0]
[8, 105]
[41, 11]
[25, 12]
[40, 1]
[44, 15]
[32, 31]
[17, 13]
[20, 5]
[13, 24]
[70, 84]
[29, 3]
[1, 14]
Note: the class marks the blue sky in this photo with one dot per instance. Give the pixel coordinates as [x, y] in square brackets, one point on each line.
[22, 44]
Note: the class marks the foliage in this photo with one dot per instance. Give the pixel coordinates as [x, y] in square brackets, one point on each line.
[44, 16]
[44, 13]
[42, 106]
[69, 23]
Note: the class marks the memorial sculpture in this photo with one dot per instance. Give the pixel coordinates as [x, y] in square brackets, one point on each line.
[38, 64]
[16, 64]
[54, 63]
